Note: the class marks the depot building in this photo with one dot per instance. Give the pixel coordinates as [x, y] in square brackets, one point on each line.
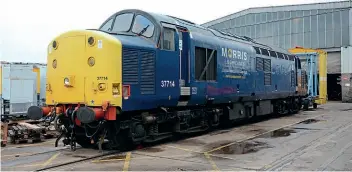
[327, 26]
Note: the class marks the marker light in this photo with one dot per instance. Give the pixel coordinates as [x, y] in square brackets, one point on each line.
[126, 91]
[67, 81]
[55, 45]
[54, 63]
[91, 41]
[91, 61]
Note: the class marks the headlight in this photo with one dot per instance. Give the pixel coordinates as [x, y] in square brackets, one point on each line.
[66, 81]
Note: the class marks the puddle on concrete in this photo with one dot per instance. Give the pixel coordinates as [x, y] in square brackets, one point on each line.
[242, 147]
[309, 121]
[278, 133]
[151, 149]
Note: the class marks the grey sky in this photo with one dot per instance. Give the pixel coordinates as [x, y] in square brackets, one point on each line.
[27, 26]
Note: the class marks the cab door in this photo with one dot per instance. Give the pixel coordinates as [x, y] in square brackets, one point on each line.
[184, 57]
[168, 66]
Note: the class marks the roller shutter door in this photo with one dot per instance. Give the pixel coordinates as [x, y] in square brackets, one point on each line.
[334, 62]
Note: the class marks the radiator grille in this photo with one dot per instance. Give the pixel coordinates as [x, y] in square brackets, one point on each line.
[138, 67]
[147, 69]
[260, 64]
[130, 66]
[267, 72]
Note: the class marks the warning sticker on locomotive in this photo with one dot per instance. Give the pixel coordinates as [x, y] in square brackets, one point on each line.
[194, 90]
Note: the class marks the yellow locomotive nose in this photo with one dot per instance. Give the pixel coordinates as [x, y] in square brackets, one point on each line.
[84, 67]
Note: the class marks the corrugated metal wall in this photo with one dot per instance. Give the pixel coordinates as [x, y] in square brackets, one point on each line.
[20, 85]
[42, 82]
[346, 74]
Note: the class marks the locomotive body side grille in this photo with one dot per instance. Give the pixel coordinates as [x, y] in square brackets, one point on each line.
[130, 66]
[147, 75]
[138, 67]
[267, 71]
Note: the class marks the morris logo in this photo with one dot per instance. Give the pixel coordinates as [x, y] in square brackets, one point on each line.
[236, 54]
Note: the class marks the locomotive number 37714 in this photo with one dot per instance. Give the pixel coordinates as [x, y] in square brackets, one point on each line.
[167, 83]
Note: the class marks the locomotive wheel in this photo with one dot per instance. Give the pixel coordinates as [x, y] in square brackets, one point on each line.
[123, 140]
[118, 138]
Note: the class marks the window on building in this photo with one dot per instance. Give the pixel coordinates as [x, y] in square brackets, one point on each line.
[168, 39]
[143, 25]
[204, 72]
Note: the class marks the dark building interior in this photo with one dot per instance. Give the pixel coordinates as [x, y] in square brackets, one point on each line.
[334, 87]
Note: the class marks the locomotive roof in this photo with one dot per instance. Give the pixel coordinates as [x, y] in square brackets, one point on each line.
[193, 27]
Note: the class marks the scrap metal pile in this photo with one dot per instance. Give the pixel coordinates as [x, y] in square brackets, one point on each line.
[16, 131]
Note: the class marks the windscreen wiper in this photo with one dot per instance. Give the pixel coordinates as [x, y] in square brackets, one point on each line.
[143, 30]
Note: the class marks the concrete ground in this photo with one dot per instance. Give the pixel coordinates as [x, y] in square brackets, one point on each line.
[323, 142]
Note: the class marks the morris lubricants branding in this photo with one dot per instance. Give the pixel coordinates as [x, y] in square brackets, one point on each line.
[231, 53]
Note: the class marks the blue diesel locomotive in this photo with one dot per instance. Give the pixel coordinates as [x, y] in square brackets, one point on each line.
[175, 77]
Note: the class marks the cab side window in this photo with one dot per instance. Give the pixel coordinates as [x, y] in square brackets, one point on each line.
[143, 26]
[107, 26]
[168, 42]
